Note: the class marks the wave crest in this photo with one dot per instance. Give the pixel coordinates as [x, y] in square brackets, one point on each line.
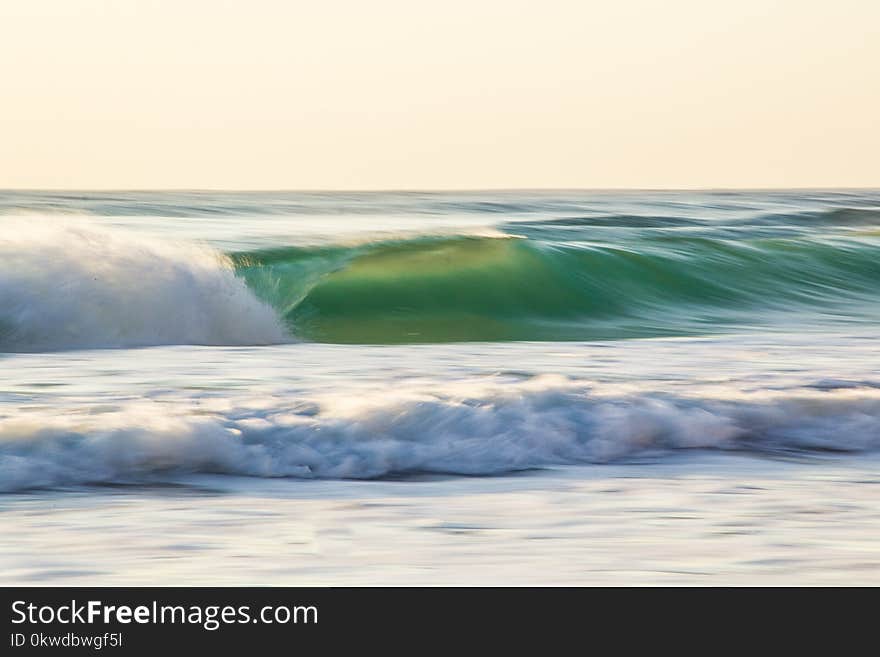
[67, 284]
[468, 429]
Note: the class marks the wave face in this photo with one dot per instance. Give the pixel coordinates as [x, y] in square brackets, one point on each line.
[65, 284]
[440, 289]
[467, 429]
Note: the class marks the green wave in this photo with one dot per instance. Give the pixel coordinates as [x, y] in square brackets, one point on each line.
[440, 289]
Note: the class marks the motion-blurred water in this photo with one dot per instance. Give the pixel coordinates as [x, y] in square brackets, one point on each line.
[691, 344]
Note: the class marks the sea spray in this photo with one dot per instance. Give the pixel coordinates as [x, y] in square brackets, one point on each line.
[65, 283]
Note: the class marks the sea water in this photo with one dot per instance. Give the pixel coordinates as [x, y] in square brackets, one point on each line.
[484, 387]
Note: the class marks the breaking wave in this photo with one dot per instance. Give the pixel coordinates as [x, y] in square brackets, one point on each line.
[462, 429]
[65, 284]
[68, 284]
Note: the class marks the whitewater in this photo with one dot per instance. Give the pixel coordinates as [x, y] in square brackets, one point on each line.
[554, 383]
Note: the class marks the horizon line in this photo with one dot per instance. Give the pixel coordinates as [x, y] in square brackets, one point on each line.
[431, 190]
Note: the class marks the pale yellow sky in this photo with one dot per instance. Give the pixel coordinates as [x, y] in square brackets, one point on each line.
[397, 94]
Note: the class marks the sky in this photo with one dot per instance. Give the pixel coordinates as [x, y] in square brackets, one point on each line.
[451, 94]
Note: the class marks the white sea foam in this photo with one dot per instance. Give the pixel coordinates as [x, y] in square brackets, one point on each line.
[456, 429]
[65, 283]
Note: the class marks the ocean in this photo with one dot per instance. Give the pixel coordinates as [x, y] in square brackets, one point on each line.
[507, 387]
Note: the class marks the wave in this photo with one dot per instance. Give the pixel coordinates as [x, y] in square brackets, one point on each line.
[68, 284]
[830, 217]
[65, 284]
[438, 289]
[468, 429]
